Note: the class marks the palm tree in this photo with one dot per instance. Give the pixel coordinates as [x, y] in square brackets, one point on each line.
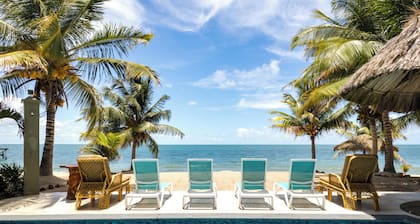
[8, 112]
[104, 144]
[340, 48]
[311, 121]
[134, 116]
[57, 48]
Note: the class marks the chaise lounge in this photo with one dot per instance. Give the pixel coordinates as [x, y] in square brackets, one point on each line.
[300, 185]
[96, 181]
[201, 185]
[355, 182]
[148, 185]
[252, 185]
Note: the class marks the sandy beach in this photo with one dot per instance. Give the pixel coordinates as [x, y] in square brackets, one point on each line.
[225, 180]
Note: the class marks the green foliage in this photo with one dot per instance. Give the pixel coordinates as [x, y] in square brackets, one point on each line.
[7, 112]
[59, 49]
[133, 116]
[405, 167]
[310, 120]
[11, 180]
[104, 144]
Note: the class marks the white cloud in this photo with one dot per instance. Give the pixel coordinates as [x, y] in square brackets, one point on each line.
[295, 54]
[192, 103]
[266, 76]
[127, 12]
[261, 101]
[186, 15]
[248, 132]
[263, 81]
[279, 19]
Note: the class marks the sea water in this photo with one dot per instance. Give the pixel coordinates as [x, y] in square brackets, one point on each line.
[225, 157]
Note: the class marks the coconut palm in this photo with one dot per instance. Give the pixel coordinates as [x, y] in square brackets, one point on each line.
[104, 144]
[58, 48]
[340, 48]
[8, 112]
[312, 121]
[134, 115]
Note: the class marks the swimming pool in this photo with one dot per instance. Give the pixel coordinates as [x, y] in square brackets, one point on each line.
[379, 219]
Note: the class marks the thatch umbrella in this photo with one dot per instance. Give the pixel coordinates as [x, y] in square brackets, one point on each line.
[391, 79]
[363, 142]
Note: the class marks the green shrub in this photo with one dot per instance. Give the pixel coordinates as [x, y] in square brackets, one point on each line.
[11, 180]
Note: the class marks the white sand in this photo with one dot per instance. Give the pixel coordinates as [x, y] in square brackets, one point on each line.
[225, 180]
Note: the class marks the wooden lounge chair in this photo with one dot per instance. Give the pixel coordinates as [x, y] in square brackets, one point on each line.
[96, 181]
[300, 184]
[201, 185]
[355, 182]
[252, 185]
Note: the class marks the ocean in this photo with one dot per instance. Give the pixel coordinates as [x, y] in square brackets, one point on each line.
[225, 157]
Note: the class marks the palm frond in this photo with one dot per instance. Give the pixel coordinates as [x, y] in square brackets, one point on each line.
[85, 96]
[77, 17]
[104, 68]
[111, 41]
[28, 59]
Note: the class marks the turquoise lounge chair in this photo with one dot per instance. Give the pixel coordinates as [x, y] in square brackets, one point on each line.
[201, 186]
[252, 185]
[300, 183]
[146, 174]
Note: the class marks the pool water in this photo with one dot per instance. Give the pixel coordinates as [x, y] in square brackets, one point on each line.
[379, 219]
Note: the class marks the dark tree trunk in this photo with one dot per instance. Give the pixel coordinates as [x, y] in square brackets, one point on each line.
[46, 167]
[389, 150]
[313, 147]
[374, 134]
[133, 152]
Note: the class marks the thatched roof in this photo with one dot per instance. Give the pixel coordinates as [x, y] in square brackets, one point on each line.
[363, 142]
[391, 79]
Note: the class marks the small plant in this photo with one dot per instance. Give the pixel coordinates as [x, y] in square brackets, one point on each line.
[405, 167]
[11, 180]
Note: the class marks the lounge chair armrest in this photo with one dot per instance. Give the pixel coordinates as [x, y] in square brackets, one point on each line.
[117, 178]
[336, 180]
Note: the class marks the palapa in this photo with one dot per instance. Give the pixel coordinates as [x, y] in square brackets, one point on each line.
[363, 142]
[391, 79]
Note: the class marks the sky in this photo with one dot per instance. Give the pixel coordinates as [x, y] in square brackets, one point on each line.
[224, 63]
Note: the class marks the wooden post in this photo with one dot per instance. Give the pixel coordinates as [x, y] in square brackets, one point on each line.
[31, 145]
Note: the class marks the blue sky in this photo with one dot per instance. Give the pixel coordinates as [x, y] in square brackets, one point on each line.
[224, 64]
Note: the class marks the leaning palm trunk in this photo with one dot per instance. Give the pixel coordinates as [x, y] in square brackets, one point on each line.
[389, 151]
[313, 147]
[133, 152]
[373, 132]
[372, 123]
[47, 155]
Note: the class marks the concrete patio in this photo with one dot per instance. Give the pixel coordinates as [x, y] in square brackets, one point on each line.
[54, 206]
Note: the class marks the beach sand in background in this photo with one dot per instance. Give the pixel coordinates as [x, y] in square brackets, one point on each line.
[225, 180]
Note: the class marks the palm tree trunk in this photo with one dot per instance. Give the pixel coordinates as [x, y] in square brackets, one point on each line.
[133, 152]
[313, 147]
[374, 134]
[389, 150]
[47, 155]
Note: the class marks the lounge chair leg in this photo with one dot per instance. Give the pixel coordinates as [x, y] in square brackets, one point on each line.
[329, 194]
[120, 193]
[78, 202]
[376, 201]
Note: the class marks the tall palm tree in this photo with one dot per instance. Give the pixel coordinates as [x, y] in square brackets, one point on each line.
[311, 121]
[8, 112]
[57, 48]
[134, 115]
[341, 46]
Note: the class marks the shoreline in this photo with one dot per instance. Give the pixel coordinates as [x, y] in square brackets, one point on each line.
[224, 180]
